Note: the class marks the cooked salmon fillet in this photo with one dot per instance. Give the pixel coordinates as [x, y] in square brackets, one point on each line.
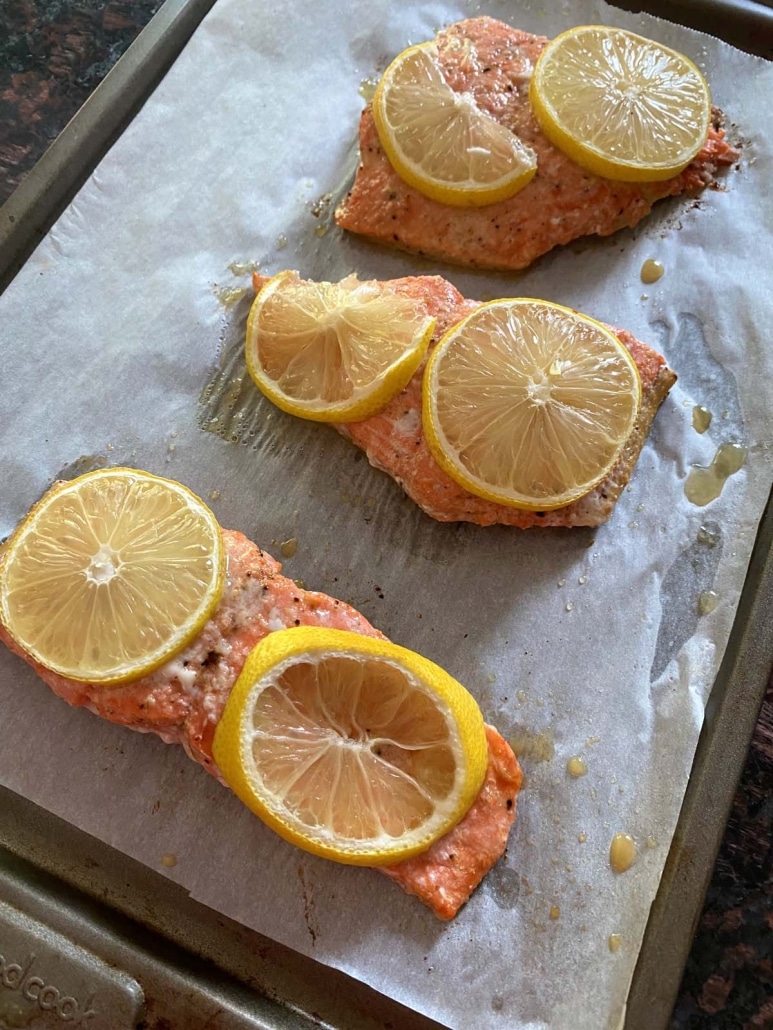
[446, 875]
[494, 62]
[183, 701]
[394, 441]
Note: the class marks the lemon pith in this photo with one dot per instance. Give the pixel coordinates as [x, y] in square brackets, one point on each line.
[111, 574]
[333, 352]
[350, 747]
[620, 105]
[440, 142]
[528, 404]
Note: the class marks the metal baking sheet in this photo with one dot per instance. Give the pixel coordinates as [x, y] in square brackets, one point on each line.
[741, 682]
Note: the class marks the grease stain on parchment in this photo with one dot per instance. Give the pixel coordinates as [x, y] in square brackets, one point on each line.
[307, 897]
[702, 376]
[532, 746]
[503, 886]
[80, 466]
[229, 296]
[230, 405]
[691, 574]
[705, 483]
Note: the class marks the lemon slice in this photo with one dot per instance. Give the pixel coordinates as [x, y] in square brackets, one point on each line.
[334, 352]
[350, 747]
[111, 574]
[620, 105]
[440, 142]
[529, 404]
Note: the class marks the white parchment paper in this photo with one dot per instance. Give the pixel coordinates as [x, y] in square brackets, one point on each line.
[589, 642]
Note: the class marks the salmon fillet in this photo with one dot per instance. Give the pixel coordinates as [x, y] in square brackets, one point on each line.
[183, 701]
[394, 441]
[445, 876]
[562, 202]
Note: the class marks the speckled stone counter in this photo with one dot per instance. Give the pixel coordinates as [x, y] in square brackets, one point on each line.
[53, 53]
[728, 981]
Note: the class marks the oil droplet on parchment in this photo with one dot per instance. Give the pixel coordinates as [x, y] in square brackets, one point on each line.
[701, 418]
[707, 602]
[367, 89]
[622, 852]
[288, 547]
[539, 747]
[229, 296]
[708, 536]
[169, 861]
[615, 942]
[576, 767]
[243, 268]
[555, 912]
[704, 484]
[582, 836]
[651, 271]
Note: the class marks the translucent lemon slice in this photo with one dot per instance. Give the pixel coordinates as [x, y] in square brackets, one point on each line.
[440, 142]
[351, 747]
[620, 105]
[111, 574]
[334, 352]
[529, 404]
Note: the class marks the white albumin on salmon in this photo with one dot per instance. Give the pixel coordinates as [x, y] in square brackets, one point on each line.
[183, 701]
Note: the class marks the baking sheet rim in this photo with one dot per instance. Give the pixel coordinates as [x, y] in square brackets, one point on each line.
[740, 685]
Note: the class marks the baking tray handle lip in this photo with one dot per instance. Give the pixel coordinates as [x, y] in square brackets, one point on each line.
[730, 717]
[44, 193]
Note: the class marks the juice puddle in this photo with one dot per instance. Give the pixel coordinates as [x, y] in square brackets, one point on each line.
[701, 418]
[704, 485]
[622, 852]
[651, 271]
[367, 89]
[707, 602]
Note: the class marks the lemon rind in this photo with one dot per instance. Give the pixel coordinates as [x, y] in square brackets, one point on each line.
[366, 401]
[231, 743]
[453, 196]
[178, 644]
[585, 154]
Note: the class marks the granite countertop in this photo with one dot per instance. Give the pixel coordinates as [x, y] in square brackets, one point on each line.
[53, 54]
